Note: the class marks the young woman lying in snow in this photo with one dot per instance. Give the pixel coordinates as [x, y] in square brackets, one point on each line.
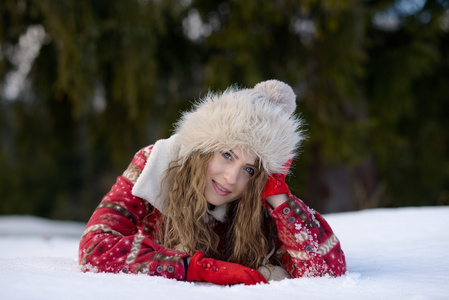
[210, 203]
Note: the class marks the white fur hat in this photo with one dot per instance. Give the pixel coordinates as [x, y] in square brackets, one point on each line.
[259, 121]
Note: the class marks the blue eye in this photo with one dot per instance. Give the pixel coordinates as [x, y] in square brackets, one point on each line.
[249, 170]
[226, 155]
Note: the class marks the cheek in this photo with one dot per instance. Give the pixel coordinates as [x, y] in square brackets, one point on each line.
[243, 183]
[208, 170]
[212, 167]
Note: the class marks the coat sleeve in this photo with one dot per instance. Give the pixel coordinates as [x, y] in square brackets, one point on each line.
[308, 245]
[121, 234]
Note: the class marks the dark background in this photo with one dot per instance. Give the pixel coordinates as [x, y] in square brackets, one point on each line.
[86, 84]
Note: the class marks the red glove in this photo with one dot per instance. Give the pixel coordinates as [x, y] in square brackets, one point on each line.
[276, 183]
[203, 269]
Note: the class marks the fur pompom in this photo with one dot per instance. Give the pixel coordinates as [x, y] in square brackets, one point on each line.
[279, 93]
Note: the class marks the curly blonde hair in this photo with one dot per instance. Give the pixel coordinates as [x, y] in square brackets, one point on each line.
[188, 227]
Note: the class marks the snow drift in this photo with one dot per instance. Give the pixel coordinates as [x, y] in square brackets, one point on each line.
[391, 254]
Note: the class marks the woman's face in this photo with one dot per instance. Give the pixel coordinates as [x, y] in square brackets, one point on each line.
[228, 174]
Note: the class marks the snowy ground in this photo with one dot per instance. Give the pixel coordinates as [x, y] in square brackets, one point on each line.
[391, 254]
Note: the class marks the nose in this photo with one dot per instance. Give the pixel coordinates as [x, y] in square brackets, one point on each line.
[231, 174]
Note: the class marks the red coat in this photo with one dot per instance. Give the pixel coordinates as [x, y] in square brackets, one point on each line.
[121, 236]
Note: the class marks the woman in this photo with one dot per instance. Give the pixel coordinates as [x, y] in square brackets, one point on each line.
[210, 203]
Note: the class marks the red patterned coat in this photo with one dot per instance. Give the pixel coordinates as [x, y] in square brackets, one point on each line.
[122, 236]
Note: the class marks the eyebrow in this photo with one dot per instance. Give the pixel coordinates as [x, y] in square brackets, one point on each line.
[232, 152]
[236, 156]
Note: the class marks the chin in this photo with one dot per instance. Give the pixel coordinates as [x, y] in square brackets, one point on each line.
[215, 202]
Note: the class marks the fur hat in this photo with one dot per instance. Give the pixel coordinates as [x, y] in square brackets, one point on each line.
[259, 121]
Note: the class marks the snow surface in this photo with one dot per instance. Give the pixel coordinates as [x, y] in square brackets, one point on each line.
[391, 254]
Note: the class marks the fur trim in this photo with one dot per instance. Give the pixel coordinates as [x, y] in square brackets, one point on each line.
[273, 273]
[148, 185]
[258, 121]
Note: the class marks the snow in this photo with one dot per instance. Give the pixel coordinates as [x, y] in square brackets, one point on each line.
[391, 254]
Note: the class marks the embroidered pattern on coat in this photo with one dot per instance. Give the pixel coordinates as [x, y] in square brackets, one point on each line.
[132, 173]
[103, 227]
[121, 210]
[327, 246]
[135, 248]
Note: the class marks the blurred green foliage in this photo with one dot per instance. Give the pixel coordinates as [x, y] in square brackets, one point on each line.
[109, 77]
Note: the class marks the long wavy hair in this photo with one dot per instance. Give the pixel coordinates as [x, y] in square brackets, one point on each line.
[188, 227]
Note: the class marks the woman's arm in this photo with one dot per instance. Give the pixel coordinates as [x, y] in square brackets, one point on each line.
[121, 236]
[309, 246]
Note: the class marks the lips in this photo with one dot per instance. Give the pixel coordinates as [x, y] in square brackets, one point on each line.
[219, 189]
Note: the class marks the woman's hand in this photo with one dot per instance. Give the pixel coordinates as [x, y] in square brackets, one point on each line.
[202, 269]
[276, 190]
[276, 200]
